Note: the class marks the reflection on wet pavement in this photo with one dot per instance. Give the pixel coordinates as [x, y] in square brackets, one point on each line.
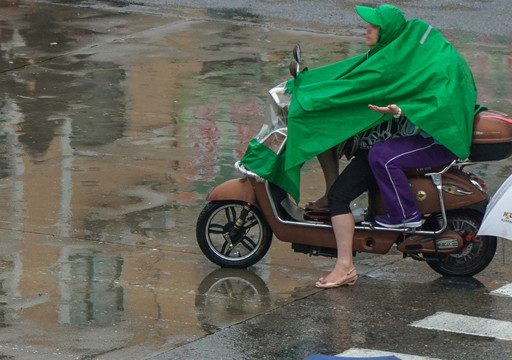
[113, 129]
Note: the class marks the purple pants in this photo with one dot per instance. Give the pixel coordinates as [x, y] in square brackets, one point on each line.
[390, 158]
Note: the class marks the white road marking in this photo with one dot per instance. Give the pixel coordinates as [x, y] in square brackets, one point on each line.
[356, 352]
[503, 291]
[464, 324]
[442, 321]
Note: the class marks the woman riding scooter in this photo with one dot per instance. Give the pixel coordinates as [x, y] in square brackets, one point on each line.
[410, 64]
[330, 105]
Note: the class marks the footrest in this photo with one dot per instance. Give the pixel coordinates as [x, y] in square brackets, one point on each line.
[317, 215]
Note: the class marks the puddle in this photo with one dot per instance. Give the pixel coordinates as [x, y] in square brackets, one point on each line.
[110, 140]
[89, 289]
[228, 296]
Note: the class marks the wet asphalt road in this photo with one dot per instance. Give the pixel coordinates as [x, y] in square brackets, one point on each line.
[484, 17]
[116, 122]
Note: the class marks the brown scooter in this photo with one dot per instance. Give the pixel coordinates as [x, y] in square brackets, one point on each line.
[236, 227]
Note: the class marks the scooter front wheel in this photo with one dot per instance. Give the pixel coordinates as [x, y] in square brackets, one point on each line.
[227, 246]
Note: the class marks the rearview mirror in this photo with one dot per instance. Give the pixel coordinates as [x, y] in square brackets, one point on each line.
[296, 53]
[294, 64]
[294, 68]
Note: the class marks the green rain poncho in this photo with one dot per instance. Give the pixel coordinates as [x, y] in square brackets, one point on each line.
[412, 66]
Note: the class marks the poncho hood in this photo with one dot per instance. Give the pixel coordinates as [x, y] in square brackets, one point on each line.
[390, 20]
[415, 68]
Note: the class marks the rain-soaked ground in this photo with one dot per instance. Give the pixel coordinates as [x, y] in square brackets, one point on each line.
[114, 125]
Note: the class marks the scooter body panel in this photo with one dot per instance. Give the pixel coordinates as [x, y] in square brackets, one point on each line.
[234, 189]
[378, 242]
[296, 233]
[375, 242]
[463, 193]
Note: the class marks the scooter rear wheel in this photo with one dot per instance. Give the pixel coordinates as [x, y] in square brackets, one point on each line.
[219, 218]
[477, 252]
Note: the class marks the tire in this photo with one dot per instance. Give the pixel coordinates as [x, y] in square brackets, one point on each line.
[219, 217]
[477, 252]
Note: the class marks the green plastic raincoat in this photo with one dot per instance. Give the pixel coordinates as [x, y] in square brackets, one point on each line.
[412, 65]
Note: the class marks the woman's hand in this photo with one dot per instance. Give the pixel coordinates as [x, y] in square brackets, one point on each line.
[390, 109]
